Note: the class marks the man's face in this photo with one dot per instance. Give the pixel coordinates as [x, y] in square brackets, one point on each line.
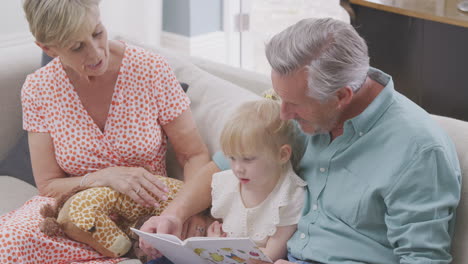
[313, 116]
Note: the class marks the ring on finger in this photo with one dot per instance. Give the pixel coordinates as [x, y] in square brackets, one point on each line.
[200, 229]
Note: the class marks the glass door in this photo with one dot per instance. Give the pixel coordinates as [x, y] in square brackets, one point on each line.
[249, 24]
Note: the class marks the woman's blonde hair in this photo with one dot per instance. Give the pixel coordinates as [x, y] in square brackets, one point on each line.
[57, 22]
[255, 128]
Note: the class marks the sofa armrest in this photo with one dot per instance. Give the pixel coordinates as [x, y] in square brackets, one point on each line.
[14, 193]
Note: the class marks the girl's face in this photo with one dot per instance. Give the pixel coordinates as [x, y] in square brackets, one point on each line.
[88, 54]
[255, 170]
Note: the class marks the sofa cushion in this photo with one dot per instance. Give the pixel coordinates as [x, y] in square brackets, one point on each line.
[18, 161]
[14, 193]
[17, 62]
[212, 102]
[457, 130]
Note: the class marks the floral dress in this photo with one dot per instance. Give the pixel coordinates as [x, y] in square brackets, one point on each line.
[146, 97]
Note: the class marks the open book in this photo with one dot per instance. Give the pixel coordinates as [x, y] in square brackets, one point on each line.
[204, 250]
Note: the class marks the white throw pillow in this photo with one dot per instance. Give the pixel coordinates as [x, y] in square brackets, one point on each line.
[213, 101]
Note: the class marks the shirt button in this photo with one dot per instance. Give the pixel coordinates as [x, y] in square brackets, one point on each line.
[302, 235]
[314, 207]
[322, 169]
[360, 134]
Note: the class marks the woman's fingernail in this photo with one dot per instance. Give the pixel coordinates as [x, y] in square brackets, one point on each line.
[166, 189]
[164, 197]
[156, 205]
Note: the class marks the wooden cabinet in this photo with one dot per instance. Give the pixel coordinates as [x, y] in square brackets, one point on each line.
[427, 59]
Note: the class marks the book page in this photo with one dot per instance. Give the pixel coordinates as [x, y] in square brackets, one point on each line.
[171, 247]
[224, 250]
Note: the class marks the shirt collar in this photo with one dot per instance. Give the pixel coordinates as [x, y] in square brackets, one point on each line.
[363, 122]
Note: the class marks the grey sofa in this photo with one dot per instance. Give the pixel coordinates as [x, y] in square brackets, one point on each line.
[215, 90]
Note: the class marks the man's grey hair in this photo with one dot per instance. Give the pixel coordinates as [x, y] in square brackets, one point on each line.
[332, 51]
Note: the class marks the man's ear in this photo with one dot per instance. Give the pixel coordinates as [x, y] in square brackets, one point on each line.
[344, 96]
[46, 49]
[285, 153]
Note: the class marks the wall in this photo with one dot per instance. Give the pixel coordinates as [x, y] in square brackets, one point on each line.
[140, 20]
[13, 26]
[192, 17]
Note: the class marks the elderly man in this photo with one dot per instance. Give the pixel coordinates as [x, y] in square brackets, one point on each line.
[383, 178]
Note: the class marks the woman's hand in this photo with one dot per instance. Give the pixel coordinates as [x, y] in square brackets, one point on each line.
[136, 182]
[215, 230]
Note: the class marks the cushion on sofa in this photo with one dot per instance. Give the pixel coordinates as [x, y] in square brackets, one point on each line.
[17, 163]
[458, 131]
[14, 193]
[17, 62]
[212, 101]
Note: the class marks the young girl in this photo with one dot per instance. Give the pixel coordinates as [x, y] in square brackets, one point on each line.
[260, 197]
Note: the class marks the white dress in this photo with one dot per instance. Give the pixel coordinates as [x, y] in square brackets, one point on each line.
[282, 207]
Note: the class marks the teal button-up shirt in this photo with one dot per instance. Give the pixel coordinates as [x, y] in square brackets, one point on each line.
[383, 192]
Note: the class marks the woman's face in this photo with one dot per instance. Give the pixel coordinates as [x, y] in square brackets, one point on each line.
[88, 54]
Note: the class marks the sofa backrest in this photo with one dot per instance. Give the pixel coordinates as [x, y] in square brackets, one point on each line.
[17, 62]
[458, 131]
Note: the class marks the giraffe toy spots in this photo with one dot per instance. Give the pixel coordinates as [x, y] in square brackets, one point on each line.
[84, 217]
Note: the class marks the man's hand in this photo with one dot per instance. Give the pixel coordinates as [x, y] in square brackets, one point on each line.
[160, 224]
[279, 261]
[215, 230]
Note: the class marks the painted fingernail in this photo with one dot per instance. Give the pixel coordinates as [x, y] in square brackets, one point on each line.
[156, 205]
[164, 197]
[166, 189]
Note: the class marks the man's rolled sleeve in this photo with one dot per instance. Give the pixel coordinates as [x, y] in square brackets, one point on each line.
[421, 208]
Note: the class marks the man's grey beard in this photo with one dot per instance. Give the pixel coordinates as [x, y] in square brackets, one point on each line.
[322, 129]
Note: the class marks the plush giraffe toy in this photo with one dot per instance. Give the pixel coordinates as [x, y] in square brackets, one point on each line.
[84, 217]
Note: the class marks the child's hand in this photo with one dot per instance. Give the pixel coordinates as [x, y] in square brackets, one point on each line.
[215, 230]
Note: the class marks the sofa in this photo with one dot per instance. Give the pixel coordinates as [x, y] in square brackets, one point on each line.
[215, 91]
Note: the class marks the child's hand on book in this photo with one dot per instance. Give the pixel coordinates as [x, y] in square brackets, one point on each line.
[215, 230]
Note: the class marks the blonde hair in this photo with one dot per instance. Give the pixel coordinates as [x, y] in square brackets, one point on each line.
[255, 128]
[58, 22]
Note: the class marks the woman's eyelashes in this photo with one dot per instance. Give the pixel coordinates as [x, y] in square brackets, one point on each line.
[79, 46]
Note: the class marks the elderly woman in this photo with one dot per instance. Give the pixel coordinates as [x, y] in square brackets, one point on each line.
[97, 115]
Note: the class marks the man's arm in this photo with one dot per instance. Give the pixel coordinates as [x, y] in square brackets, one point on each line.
[421, 208]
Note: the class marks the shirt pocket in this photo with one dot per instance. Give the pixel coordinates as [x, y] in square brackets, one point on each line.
[344, 195]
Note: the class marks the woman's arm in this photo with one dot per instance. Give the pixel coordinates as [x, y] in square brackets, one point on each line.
[52, 181]
[192, 154]
[50, 178]
[191, 151]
